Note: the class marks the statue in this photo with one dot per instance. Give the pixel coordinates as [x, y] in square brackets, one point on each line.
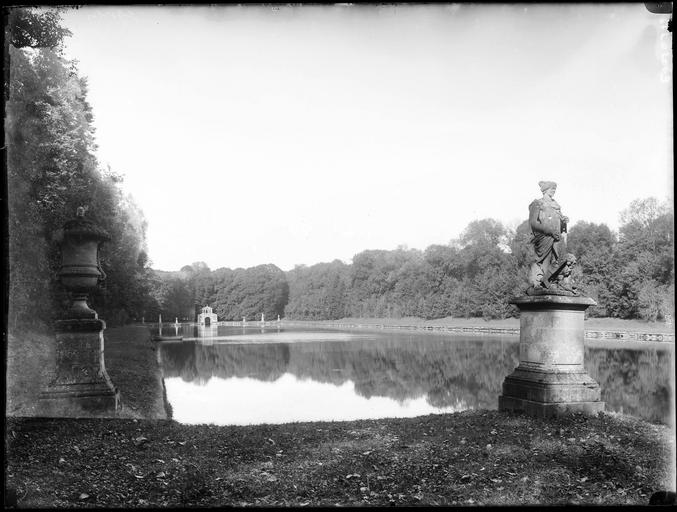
[551, 379]
[550, 273]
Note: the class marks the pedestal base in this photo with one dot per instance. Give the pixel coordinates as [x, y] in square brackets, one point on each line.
[545, 394]
[551, 379]
[81, 386]
[548, 409]
[543, 386]
[79, 400]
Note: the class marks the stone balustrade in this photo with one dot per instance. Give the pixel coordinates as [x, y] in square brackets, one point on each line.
[590, 334]
[508, 331]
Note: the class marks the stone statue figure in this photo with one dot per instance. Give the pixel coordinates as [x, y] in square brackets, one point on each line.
[550, 273]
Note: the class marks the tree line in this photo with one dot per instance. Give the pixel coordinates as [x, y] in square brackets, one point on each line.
[630, 274]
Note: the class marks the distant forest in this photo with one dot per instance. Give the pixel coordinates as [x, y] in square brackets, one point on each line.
[51, 170]
[630, 274]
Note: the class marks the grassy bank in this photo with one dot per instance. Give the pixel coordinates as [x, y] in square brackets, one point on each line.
[473, 457]
[130, 360]
[30, 361]
[611, 324]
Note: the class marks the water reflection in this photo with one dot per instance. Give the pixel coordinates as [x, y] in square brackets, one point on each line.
[635, 382]
[278, 375]
[246, 400]
[206, 333]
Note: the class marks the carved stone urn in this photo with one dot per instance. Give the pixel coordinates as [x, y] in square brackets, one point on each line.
[80, 271]
[81, 386]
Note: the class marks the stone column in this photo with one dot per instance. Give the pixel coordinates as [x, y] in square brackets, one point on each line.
[550, 378]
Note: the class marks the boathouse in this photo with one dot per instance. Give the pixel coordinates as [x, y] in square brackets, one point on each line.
[207, 317]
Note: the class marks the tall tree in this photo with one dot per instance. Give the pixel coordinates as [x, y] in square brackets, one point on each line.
[253, 291]
[51, 170]
[35, 28]
[317, 292]
[643, 285]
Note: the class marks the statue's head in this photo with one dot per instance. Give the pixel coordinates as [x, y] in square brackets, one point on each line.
[548, 187]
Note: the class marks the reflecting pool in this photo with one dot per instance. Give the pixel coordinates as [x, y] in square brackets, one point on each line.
[235, 375]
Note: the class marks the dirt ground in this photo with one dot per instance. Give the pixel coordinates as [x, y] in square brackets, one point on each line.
[472, 457]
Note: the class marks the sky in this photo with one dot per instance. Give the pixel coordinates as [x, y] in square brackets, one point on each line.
[303, 134]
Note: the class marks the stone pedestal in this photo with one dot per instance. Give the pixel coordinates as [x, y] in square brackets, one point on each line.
[81, 386]
[551, 379]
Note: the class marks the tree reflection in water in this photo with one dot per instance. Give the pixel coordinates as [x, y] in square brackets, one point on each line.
[446, 370]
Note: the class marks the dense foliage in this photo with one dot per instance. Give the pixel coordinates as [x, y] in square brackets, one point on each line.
[234, 294]
[35, 29]
[630, 275]
[318, 292]
[51, 170]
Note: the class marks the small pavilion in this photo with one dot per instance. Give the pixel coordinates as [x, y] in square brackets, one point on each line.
[207, 317]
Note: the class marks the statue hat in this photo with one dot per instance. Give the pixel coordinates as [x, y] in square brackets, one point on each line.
[545, 185]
